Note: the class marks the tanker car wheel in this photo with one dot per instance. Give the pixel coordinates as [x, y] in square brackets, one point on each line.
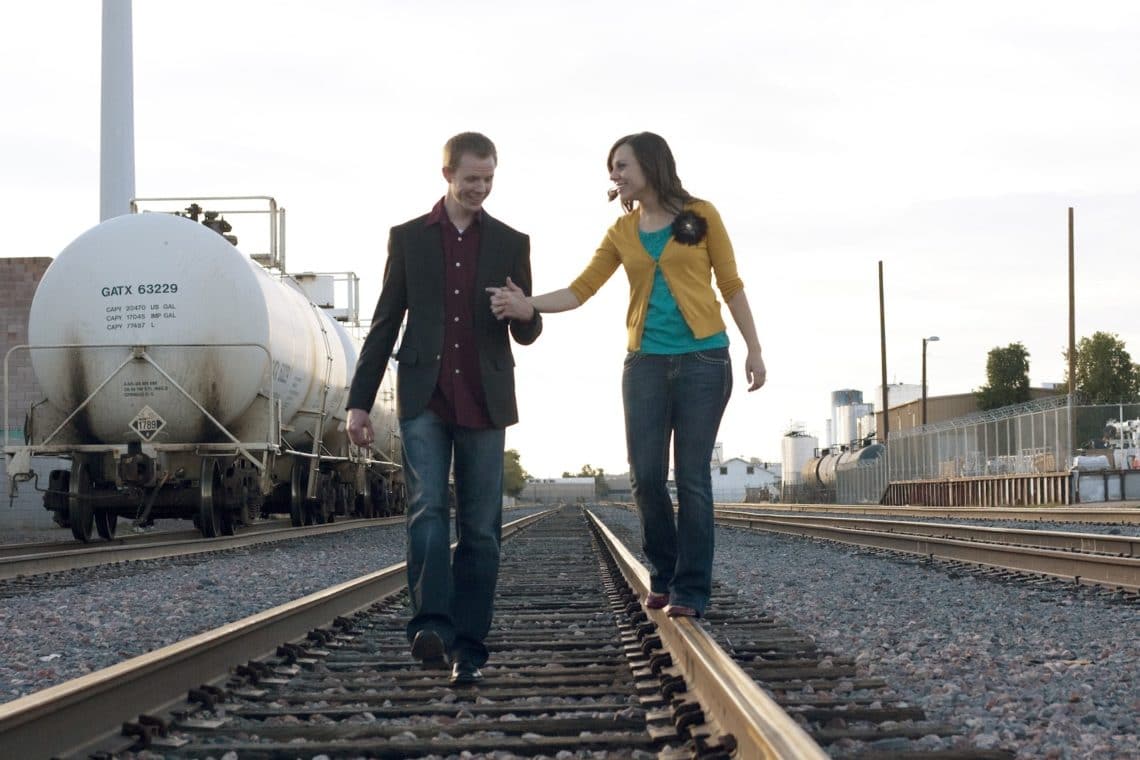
[364, 506]
[373, 501]
[381, 503]
[229, 523]
[328, 497]
[297, 484]
[56, 499]
[321, 510]
[105, 521]
[210, 497]
[80, 513]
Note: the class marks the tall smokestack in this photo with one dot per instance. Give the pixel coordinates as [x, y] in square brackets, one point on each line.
[117, 134]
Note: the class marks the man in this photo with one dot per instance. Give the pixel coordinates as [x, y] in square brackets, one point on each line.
[455, 394]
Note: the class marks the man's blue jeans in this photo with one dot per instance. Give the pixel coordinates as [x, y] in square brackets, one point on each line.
[453, 596]
[680, 397]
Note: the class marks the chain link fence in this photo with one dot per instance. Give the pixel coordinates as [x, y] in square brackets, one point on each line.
[861, 482]
[1029, 438]
[1026, 438]
[1023, 440]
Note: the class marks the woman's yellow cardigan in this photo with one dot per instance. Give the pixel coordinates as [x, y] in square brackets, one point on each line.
[687, 269]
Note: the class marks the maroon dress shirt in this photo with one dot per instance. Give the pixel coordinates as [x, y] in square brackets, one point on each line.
[458, 398]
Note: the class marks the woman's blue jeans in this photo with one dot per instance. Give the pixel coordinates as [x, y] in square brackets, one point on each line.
[679, 398]
[453, 596]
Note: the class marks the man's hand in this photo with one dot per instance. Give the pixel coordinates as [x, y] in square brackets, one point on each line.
[360, 428]
[510, 302]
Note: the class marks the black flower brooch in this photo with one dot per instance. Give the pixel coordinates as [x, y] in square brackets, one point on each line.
[690, 228]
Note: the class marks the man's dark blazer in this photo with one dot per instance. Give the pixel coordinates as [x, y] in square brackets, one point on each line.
[414, 283]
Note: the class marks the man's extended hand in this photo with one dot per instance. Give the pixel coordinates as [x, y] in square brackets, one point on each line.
[510, 302]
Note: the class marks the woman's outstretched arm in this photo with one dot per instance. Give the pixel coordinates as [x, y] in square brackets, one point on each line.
[510, 302]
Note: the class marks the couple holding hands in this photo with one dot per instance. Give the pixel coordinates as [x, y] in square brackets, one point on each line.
[463, 280]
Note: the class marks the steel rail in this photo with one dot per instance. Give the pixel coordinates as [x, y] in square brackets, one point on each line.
[1117, 545]
[1090, 569]
[39, 562]
[127, 537]
[1121, 515]
[728, 696]
[63, 719]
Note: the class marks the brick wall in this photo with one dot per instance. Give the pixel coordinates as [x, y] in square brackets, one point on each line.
[18, 281]
[25, 513]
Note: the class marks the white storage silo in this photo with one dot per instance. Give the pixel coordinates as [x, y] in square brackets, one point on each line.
[842, 429]
[847, 422]
[797, 449]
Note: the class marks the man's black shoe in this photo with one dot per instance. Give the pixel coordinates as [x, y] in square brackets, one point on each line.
[427, 647]
[464, 673]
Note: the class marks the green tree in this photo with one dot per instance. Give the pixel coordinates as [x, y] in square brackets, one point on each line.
[1105, 372]
[1007, 377]
[587, 472]
[514, 476]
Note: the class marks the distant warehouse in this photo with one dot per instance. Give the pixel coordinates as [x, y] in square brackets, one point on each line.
[554, 490]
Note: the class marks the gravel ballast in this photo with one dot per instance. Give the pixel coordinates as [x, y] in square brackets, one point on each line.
[105, 615]
[1044, 670]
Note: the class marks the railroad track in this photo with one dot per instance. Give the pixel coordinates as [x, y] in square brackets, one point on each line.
[556, 641]
[125, 539]
[36, 559]
[577, 663]
[1120, 515]
[1109, 561]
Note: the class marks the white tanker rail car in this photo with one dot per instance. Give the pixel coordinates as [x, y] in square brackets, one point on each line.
[185, 380]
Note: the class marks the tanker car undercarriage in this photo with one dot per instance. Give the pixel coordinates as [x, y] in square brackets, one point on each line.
[220, 486]
[223, 494]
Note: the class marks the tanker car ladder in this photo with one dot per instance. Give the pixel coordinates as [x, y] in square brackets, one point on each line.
[20, 465]
[321, 413]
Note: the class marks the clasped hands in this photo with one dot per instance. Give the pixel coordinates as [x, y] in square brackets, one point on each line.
[510, 302]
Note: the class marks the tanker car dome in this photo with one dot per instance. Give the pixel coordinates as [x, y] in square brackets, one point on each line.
[165, 283]
[866, 454]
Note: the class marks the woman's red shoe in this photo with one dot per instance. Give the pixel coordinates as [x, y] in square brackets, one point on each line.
[680, 610]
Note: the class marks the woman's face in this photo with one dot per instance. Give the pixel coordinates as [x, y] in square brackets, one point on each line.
[627, 176]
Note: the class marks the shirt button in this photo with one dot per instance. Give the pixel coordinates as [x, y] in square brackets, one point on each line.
[460, 238]
[457, 319]
[457, 372]
[457, 345]
[458, 264]
[457, 291]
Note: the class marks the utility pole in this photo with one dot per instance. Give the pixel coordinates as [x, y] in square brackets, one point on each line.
[931, 339]
[883, 352]
[1072, 336]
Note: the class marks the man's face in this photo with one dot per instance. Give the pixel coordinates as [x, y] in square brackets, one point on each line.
[469, 184]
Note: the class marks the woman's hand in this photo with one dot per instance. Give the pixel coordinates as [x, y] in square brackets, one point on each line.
[510, 302]
[754, 371]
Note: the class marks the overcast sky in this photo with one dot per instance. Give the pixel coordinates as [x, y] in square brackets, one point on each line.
[945, 139]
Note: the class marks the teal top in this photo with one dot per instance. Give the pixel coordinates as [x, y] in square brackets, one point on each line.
[666, 331]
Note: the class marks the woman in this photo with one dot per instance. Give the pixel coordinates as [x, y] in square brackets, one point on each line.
[677, 375]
